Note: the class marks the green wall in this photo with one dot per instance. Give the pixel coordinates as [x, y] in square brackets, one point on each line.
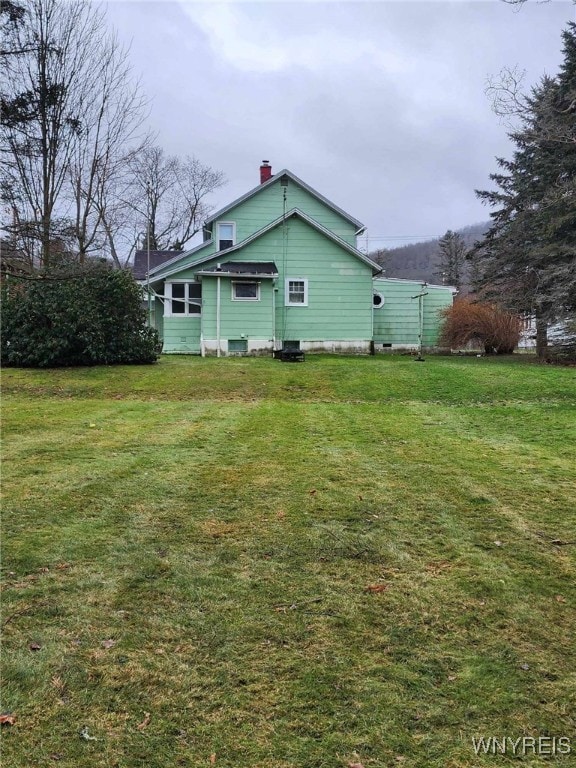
[397, 321]
[339, 286]
[238, 319]
[158, 316]
[182, 334]
[261, 209]
[268, 205]
[339, 293]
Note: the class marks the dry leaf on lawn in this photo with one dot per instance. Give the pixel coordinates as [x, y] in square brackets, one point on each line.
[144, 722]
[7, 719]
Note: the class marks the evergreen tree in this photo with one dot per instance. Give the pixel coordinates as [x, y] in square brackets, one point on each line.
[452, 258]
[528, 257]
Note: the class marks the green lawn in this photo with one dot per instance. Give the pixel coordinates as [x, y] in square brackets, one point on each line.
[251, 564]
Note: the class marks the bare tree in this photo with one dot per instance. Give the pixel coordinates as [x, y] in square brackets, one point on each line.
[111, 123]
[73, 113]
[169, 196]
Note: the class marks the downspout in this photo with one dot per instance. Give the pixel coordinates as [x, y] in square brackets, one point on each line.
[420, 297]
[273, 315]
[284, 260]
[148, 260]
[372, 289]
[218, 317]
[420, 321]
[202, 346]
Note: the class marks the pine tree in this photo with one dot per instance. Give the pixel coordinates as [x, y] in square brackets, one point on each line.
[452, 258]
[528, 257]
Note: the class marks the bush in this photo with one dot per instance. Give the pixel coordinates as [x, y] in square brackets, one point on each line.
[488, 325]
[82, 315]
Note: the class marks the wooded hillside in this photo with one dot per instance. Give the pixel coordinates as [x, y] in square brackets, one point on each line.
[420, 261]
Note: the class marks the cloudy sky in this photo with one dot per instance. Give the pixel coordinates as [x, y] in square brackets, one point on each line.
[380, 106]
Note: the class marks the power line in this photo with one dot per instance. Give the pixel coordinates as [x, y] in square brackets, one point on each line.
[416, 237]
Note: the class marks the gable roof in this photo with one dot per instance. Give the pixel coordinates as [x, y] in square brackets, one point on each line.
[170, 268]
[157, 258]
[272, 180]
[179, 256]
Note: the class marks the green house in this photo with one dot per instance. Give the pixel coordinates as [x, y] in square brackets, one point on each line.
[278, 267]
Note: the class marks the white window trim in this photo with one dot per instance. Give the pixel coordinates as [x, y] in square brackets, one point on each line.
[187, 301]
[240, 298]
[228, 224]
[287, 301]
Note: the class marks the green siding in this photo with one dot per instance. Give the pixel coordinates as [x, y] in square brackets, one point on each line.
[158, 317]
[238, 319]
[339, 284]
[268, 204]
[436, 301]
[339, 293]
[261, 209]
[182, 334]
[397, 321]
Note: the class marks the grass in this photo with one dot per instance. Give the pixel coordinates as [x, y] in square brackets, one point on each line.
[254, 564]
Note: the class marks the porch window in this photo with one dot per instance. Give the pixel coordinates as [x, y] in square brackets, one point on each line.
[226, 235]
[245, 291]
[296, 292]
[180, 298]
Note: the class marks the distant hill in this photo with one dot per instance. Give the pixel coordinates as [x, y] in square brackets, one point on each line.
[419, 261]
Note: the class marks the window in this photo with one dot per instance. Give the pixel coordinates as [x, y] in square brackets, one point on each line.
[377, 300]
[226, 235]
[179, 297]
[237, 346]
[245, 291]
[296, 292]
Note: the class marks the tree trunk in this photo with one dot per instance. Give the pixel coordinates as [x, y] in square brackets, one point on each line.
[541, 337]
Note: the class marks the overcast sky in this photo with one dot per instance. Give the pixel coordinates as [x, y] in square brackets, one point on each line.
[380, 106]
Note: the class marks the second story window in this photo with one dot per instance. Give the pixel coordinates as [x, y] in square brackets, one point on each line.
[226, 235]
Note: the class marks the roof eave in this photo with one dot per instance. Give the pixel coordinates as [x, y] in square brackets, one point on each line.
[179, 256]
[239, 275]
[376, 268]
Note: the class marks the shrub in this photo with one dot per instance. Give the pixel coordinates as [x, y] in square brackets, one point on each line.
[488, 325]
[82, 315]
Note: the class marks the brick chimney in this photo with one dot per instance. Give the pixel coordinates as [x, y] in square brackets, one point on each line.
[265, 171]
